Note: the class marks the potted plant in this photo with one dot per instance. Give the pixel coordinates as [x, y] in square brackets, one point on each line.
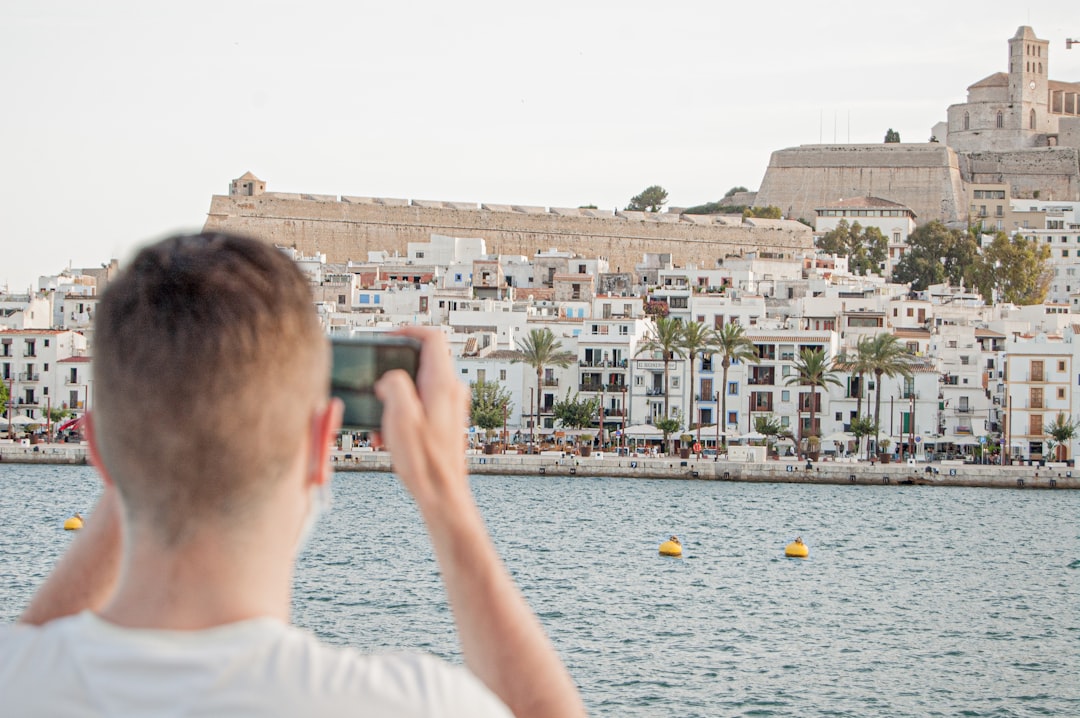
[813, 447]
[883, 451]
[586, 444]
[684, 448]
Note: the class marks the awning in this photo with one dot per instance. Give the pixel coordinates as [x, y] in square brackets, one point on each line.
[71, 424]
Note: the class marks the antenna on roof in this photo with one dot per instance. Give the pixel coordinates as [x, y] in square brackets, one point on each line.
[1070, 42]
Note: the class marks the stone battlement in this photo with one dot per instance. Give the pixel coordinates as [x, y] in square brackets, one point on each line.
[348, 227]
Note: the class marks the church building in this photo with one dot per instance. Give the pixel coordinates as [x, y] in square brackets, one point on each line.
[1017, 110]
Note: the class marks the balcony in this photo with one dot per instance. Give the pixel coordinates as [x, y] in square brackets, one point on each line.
[614, 413]
[654, 391]
[705, 398]
[29, 376]
[607, 363]
[909, 395]
[550, 381]
[964, 410]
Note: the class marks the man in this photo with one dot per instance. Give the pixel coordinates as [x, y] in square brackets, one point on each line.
[211, 430]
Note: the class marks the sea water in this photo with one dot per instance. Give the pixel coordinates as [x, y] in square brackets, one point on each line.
[914, 601]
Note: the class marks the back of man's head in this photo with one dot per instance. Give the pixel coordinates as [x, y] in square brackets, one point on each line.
[209, 363]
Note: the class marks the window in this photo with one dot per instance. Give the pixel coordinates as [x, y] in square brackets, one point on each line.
[967, 121]
[502, 375]
[1035, 425]
[733, 388]
[1036, 370]
[1000, 119]
[785, 395]
[419, 255]
[1061, 392]
[733, 417]
[1031, 120]
[1035, 399]
[1061, 365]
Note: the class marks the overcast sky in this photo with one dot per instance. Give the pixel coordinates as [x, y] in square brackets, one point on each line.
[121, 119]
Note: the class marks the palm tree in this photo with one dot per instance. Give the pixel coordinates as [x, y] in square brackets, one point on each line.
[540, 349]
[885, 356]
[733, 345]
[665, 336]
[697, 340]
[815, 370]
[858, 365]
[1061, 432]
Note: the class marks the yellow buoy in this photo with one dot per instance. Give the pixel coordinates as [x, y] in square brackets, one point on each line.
[671, 547]
[74, 523]
[797, 549]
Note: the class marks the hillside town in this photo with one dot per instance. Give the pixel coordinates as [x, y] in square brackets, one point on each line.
[676, 328]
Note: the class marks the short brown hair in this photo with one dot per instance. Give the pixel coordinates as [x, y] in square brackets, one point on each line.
[209, 361]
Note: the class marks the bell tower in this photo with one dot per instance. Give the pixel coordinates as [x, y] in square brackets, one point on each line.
[1029, 92]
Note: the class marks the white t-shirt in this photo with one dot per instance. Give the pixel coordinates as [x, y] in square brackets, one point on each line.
[85, 666]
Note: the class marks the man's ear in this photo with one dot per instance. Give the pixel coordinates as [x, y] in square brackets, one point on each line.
[93, 449]
[325, 425]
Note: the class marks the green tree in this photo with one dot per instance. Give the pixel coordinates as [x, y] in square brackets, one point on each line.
[650, 200]
[3, 398]
[1062, 431]
[865, 247]
[892, 136]
[668, 425]
[770, 427]
[815, 370]
[769, 212]
[937, 254]
[1018, 270]
[734, 191]
[863, 426]
[885, 356]
[665, 336]
[539, 350]
[490, 405]
[732, 345]
[697, 340]
[575, 412]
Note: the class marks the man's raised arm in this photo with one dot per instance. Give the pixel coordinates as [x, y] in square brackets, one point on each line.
[502, 639]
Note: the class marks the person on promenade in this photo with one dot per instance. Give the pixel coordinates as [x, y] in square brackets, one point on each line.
[211, 431]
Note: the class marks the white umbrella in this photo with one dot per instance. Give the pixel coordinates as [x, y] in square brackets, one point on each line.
[966, 441]
[752, 436]
[840, 436]
[22, 420]
[643, 431]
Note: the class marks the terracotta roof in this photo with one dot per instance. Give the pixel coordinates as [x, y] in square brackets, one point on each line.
[74, 360]
[800, 338]
[33, 332]
[998, 79]
[989, 333]
[1059, 86]
[912, 333]
[864, 203]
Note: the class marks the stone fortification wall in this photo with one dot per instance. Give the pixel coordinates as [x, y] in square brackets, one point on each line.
[347, 228]
[1053, 172]
[924, 177]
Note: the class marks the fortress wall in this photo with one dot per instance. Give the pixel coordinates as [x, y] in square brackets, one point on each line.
[925, 177]
[349, 228]
[1054, 172]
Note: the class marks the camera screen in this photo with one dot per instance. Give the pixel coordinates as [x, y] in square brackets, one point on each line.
[358, 364]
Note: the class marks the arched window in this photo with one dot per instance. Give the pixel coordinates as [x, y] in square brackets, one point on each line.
[1000, 120]
[967, 121]
[1031, 120]
[1040, 68]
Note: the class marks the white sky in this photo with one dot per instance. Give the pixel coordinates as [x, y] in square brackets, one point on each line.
[119, 120]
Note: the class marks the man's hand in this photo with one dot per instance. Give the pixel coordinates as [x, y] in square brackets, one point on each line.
[424, 428]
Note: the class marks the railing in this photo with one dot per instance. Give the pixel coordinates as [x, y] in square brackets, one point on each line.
[910, 395]
[765, 380]
[705, 398]
[550, 382]
[29, 376]
[654, 392]
[607, 363]
[787, 356]
[608, 413]
[964, 410]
